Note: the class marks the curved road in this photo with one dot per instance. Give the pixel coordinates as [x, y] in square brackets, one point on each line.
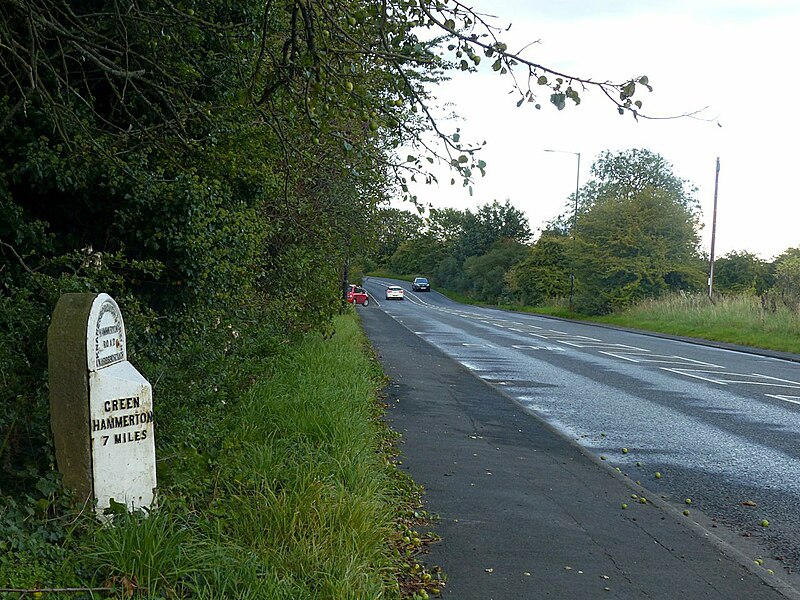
[717, 426]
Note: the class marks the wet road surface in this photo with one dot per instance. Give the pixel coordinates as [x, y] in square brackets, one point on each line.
[716, 426]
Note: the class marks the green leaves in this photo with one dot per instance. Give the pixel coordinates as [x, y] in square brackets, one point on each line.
[636, 235]
[558, 100]
[627, 90]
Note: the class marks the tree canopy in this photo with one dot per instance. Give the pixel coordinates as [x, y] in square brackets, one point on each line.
[626, 174]
[634, 246]
[635, 235]
[212, 164]
[205, 160]
[738, 272]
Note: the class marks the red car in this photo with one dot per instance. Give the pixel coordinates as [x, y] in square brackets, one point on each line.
[357, 295]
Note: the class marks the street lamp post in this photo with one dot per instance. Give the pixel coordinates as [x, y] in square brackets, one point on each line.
[574, 219]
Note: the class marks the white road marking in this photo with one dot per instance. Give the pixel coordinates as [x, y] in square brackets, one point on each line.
[633, 360]
[661, 358]
[600, 344]
[791, 399]
[689, 373]
[524, 347]
[625, 352]
[742, 378]
[592, 345]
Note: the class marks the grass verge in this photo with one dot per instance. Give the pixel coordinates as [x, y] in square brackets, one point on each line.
[736, 320]
[299, 498]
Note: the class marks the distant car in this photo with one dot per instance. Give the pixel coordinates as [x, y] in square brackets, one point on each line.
[395, 292]
[421, 284]
[357, 295]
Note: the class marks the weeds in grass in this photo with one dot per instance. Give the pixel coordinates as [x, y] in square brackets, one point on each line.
[300, 500]
[145, 555]
[740, 319]
[283, 489]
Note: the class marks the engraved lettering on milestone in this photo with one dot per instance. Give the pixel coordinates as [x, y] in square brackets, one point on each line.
[109, 336]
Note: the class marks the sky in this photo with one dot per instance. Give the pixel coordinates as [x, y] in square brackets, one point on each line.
[734, 59]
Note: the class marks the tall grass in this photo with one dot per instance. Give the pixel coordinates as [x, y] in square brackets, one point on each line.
[145, 553]
[305, 485]
[737, 319]
[298, 503]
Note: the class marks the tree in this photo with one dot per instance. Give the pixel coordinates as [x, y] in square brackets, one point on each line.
[490, 224]
[393, 227]
[633, 247]
[742, 272]
[545, 273]
[626, 174]
[635, 234]
[787, 281]
[788, 253]
[417, 256]
[212, 161]
[446, 225]
[450, 273]
[487, 272]
[341, 66]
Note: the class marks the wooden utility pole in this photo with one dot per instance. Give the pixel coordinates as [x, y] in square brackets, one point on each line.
[713, 237]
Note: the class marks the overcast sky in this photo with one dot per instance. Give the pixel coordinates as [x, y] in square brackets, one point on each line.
[738, 58]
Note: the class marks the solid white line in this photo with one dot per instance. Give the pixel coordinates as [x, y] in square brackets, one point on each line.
[634, 348]
[664, 358]
[552, 348]
[684, 372]
[774, 378]
[691, 360]
[784, 382]
[794, 386]
[619, 356]
[588, 345]
[748, 380]
[785, 398]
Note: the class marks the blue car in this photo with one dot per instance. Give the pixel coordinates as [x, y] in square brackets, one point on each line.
[421, 284]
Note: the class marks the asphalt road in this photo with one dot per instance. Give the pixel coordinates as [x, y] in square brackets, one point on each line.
[718, 426]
